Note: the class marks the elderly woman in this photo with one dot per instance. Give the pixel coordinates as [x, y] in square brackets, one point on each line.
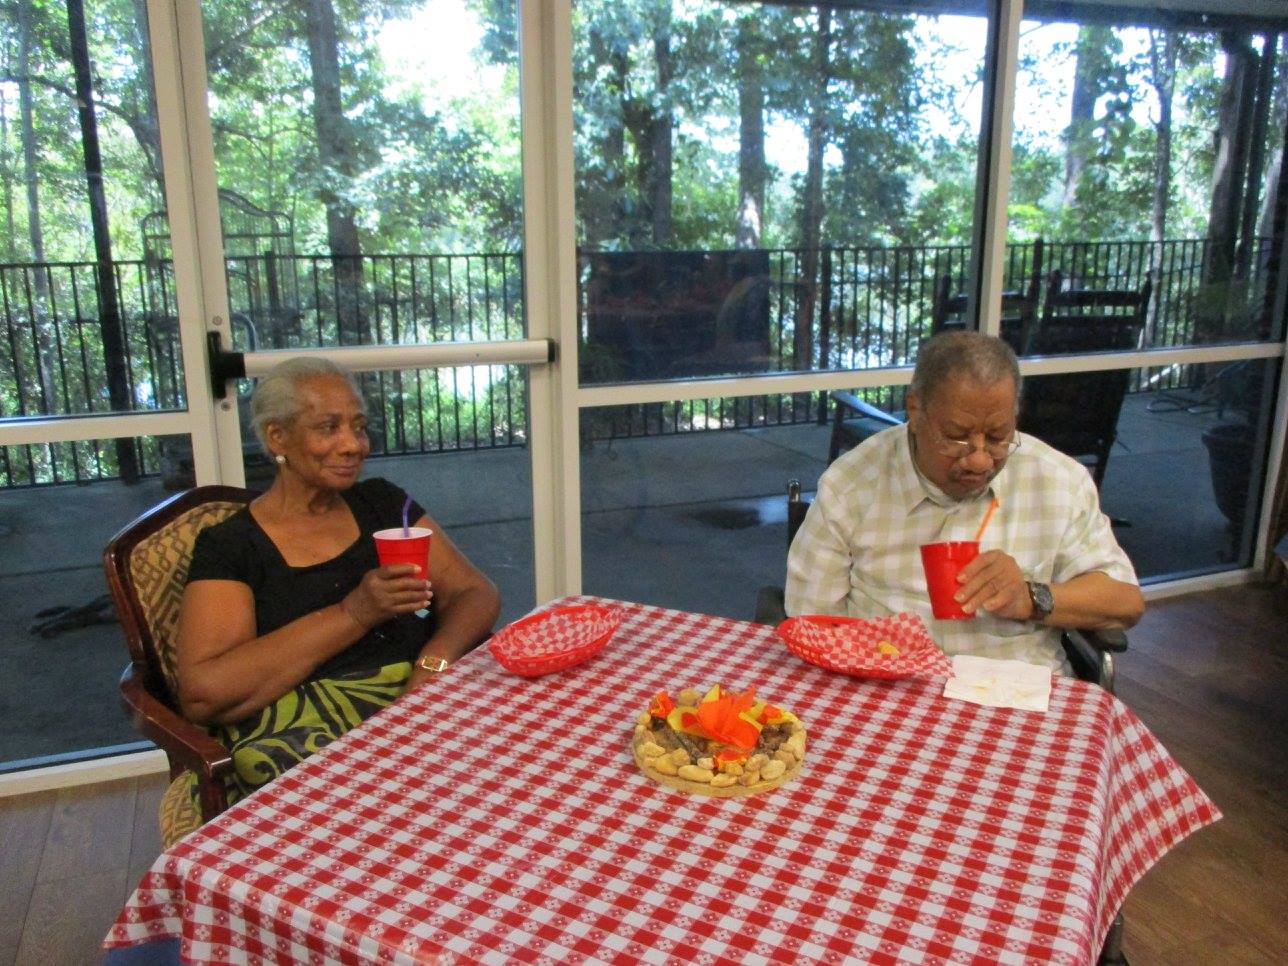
[290, 632]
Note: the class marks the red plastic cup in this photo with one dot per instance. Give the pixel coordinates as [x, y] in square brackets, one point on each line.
[943, 562]
[393, 548]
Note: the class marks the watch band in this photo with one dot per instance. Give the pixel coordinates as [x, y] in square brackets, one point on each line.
[432, 663]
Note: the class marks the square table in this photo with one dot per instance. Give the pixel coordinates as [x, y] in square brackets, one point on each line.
[488, 817]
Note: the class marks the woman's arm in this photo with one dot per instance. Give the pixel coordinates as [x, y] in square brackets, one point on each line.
[226, 671]
[466, 603]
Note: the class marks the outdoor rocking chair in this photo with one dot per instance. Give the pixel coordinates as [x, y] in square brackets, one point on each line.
[1077, 412]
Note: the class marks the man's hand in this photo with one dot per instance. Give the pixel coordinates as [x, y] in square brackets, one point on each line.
[993, 582]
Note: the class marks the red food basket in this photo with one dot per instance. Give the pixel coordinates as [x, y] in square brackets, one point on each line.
[849, 645]
[554, 639]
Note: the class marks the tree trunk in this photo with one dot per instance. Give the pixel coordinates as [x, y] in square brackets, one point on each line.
[812, 203]
[1082, 119]
[1279, 118]
[337, 157]
[660, 132]
[1228, 175]
[109, 318]
[1162, 64]
[6, 172]
[751, 137]
[336, 152]
[1163, 79]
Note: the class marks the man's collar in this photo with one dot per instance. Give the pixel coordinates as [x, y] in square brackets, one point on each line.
[912, 487]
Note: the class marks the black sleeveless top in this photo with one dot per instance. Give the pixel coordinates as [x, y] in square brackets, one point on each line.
[239, 549]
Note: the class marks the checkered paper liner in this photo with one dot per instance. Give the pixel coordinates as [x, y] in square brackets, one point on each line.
[554, 640]
[849, 645]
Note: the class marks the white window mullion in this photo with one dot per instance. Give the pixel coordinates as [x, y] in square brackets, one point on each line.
[192, 208]
[993, 186]
[550, 290]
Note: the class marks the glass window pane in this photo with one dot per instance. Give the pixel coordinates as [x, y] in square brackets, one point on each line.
[88, 312]
[678, 514]
[1184, 478]
[369, 171]
[63, 648]
[769, 187]
[1147, 152]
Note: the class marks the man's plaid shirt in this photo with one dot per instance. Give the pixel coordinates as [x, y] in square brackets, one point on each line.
[857, 552]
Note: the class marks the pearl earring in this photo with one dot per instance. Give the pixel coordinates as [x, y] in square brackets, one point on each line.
[280, 459]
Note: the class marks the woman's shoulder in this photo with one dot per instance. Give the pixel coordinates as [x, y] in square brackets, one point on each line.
[222, 550]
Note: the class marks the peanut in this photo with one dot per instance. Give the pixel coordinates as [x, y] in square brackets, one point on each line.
[708, 763]
[723, 781]
[680, 756]
[650, 749]
[757, 761]
[663, 765]
[785, 756]
[772, 770]
[796, 745]
[696, 773]
[749, 777]
[644, 718]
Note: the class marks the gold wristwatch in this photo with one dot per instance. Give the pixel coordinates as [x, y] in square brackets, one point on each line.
[432, 663]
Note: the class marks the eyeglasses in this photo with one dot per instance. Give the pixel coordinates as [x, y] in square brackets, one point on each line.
[961, 448]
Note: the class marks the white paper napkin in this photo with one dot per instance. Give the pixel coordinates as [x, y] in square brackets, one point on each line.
[998, 683]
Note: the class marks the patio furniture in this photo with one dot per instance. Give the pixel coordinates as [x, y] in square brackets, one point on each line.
[1077, 413]
[147, 567]
[1019, 307]
[490, 817]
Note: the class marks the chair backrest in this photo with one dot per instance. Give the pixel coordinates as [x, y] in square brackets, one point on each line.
[147, 569]
[1077, 413]
[1019, 306]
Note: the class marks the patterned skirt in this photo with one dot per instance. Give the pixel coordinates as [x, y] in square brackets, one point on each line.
[301, 721]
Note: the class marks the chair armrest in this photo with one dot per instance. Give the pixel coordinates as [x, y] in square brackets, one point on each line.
[847, 400]
[184, 742]
[769, 606]
[1115, 641]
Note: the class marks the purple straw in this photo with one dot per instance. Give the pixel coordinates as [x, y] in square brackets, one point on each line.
[406, 510]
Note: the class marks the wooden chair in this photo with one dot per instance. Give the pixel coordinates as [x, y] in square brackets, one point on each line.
[1077, 413]
[147, 568]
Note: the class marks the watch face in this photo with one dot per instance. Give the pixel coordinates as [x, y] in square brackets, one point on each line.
[1043, 602]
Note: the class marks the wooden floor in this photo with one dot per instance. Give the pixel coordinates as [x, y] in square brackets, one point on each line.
[1208, 673]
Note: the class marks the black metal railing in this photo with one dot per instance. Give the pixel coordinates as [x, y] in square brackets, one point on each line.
[838, 307]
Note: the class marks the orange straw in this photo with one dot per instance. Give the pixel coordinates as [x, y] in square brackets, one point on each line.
[988, 515]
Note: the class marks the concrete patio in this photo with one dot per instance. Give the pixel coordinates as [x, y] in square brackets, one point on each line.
[695, 522]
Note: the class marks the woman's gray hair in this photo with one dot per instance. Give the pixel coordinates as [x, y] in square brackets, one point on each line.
[276, 398]
[983, 359]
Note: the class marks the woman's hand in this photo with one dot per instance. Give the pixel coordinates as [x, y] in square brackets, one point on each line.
[386, 592]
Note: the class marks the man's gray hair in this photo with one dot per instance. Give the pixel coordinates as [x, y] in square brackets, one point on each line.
[276, 398]
[983, 359]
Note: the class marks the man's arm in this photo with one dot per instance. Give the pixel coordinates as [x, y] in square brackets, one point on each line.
[818, 564]
[1092, 601]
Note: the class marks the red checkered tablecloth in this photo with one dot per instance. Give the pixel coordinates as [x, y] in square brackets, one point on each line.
[488, 817]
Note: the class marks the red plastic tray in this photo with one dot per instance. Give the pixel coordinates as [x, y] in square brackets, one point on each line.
[555, 639]
[849, 645]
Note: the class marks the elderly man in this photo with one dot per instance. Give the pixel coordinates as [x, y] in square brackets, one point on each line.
[1048, 558]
